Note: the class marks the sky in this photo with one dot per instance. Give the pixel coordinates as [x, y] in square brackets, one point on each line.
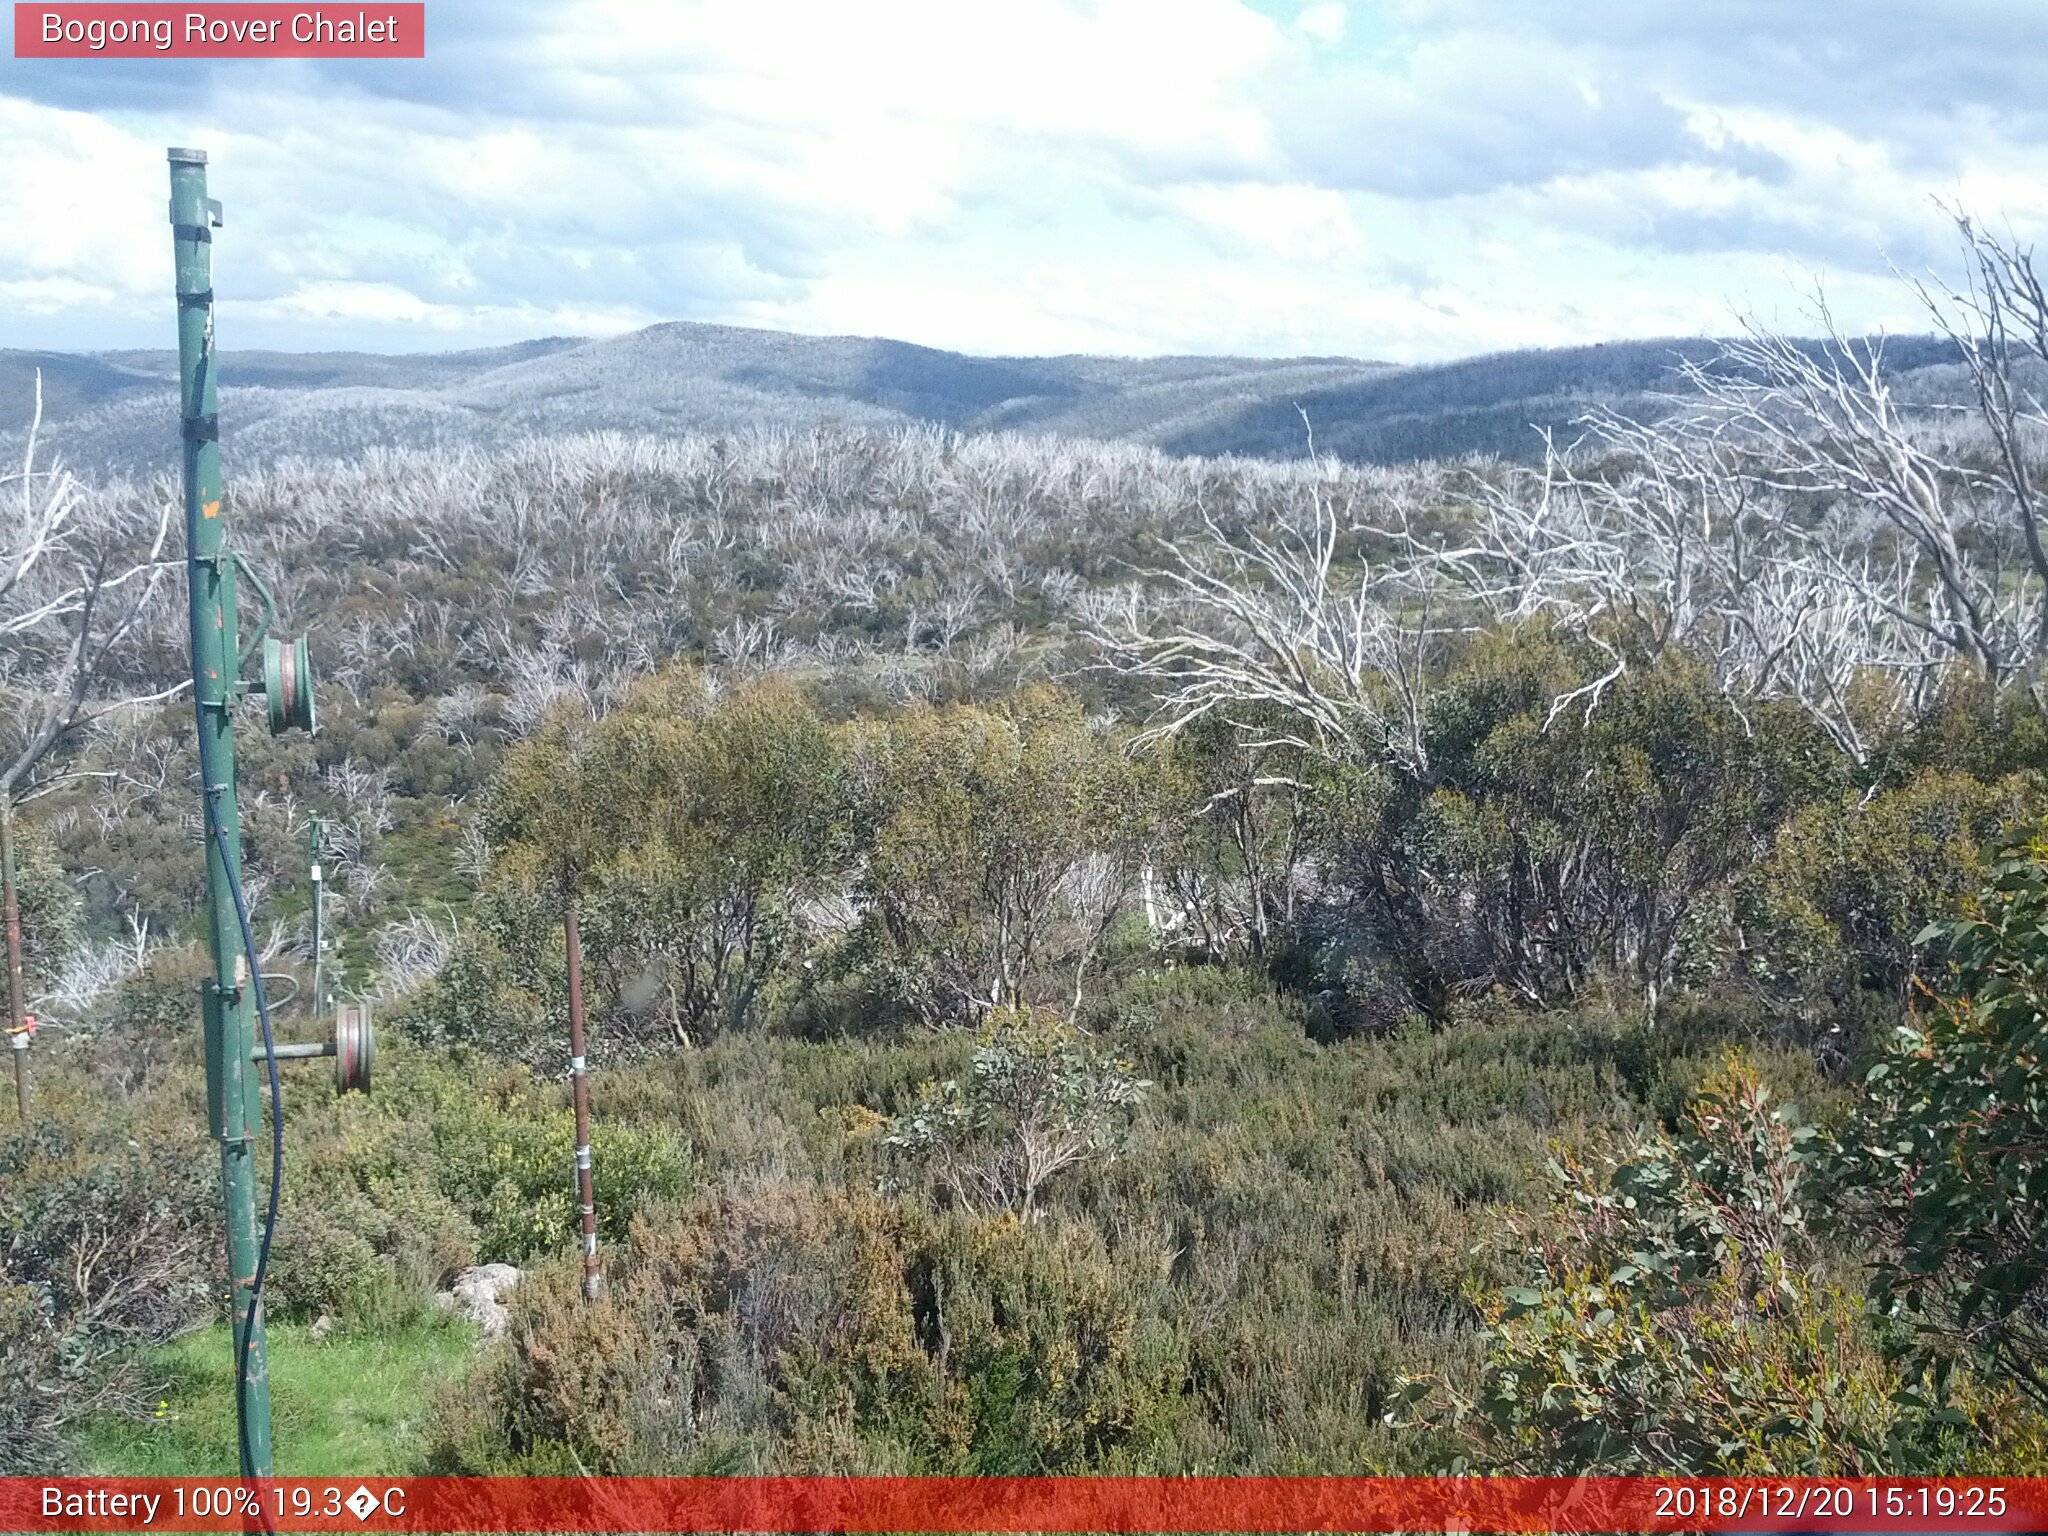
[1408, 180]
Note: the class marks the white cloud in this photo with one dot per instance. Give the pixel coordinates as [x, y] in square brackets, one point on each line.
[1297, 222]
[86, 199]
[1325, 22]
[1417, 179]
[52, 295]
[388, 305]
[378, 303]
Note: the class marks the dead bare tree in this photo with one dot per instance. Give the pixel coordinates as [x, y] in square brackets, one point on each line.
[76, 578]
[1997, 318]
[1821, 426]
[1278, 623]
[1644, 536]
[412, 951]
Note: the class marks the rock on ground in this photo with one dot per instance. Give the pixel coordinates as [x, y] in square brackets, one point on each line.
[477, 1294]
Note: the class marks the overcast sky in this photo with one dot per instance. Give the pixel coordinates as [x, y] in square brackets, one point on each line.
[1405, 179]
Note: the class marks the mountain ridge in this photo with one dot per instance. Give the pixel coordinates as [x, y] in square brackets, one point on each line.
[114, 412]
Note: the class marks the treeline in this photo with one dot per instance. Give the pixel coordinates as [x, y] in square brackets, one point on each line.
[738, 856]
[452, 598]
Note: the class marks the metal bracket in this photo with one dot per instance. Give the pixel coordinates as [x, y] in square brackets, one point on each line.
[255, 641]
[234, 1108]
[213, 214]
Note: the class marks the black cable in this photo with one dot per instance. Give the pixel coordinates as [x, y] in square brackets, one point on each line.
[227, 863]
[213, 793]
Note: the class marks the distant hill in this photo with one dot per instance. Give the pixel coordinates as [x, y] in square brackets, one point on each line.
[114, 413]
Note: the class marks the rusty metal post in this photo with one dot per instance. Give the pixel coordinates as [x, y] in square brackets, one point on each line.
[579, 1079]
[17, 1007]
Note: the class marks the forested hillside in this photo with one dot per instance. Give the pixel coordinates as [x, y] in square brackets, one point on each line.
[112, 408]
[1098, 960]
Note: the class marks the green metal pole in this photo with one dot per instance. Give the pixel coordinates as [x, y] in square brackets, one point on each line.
[226, 1002]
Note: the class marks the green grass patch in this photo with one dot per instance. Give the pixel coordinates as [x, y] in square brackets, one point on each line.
[346, 1405]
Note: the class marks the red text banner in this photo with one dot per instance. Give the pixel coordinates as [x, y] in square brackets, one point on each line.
[107, 29]
[1002, 1504]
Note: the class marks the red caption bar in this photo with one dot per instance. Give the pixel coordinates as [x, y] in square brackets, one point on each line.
[1015, 1504]
[241, 31]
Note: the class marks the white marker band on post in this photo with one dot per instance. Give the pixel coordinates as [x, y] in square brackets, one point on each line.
[583, 1156]
[576, 1067]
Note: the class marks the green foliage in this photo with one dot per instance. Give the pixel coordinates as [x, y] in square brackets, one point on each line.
[696, 828]
[343, 1405]
[99, 1253]
[1279, 1236]
[1548, 848]
[1052, 1344]
[831, 1331]
[1001, 846]
[1850, 882]
[945, 860]
[1948, 1151]
[473, 1165]
[52, 917]
[732, 825]
[1040, 1097]
[1235, 825]
[1675, 1318]
[470, 1004]
[1371, 999]
[548, 821]
[108, 1199]
[141, 1037]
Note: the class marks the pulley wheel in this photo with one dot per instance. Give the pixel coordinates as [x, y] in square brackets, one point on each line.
[355, 1048]
[288, 685]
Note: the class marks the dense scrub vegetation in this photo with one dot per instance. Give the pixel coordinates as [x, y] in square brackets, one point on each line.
[1114, 1126]
[1095, 962]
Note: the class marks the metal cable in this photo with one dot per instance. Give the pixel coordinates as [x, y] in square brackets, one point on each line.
[213, 793]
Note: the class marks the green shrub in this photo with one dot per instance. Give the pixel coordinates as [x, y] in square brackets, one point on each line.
[99, 1252]
[1040, 1097]
[319, 1264]
[52, 917]
[469, 1005]
[1001, 844]
[1948, 1153]
[793, 1328]
[142, 1036]
[692, 905]
[1544, 849]
[457, 1162]
[1849, 884]
[1675, 1318]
